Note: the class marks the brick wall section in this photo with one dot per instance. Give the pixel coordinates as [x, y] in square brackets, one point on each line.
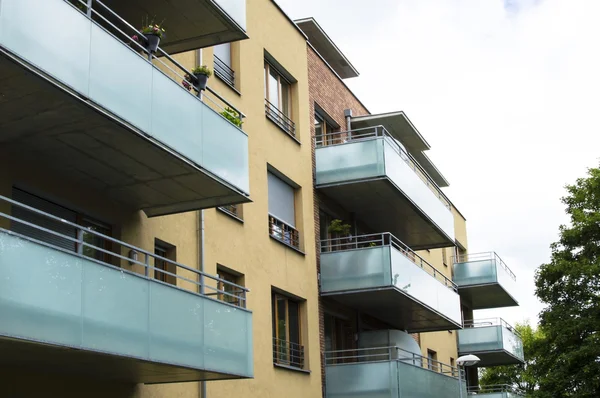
[330, 93]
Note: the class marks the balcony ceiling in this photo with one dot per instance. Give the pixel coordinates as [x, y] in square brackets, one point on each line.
[189, 24]
[44, 127]
[381, 205]
[20, 354]
[395, 308]
[487, 296]
[494, 358]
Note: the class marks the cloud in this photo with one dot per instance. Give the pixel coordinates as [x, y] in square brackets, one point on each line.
[505, 92]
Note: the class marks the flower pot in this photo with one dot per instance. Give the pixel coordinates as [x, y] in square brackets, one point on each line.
[153, 41]
[201, 80]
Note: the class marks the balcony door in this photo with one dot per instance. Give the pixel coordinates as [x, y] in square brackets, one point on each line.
[339, 336]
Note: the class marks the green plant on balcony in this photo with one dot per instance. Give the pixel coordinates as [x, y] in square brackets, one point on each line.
[153, 32]
[339, 227]
[201, 75]
[229, 114]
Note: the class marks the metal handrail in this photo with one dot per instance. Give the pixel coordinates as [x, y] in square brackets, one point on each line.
[374, 132]
[87, 8]
[465, 258]
[387, 354]
[286, 233]
[288, 353]
[280, 118]
[79, 243]
[385, 239]
[487, 322]
[224, 72]
[474, 390]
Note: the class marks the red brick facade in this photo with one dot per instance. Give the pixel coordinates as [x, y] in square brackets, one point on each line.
[328, 91]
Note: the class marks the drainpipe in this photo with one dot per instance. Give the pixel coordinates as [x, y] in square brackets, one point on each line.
[202, 387]
[348, 116]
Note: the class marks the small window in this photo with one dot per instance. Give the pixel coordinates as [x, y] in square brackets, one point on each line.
[164, 270]
[282, 216]
[453, 367]
[278, 97]
[222, 64]
[287, 345]
[444, 258]
[432, 362]
[236, 211]
[228, 292]
[325, 131]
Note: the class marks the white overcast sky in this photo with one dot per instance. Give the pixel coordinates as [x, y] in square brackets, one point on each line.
[505, 91]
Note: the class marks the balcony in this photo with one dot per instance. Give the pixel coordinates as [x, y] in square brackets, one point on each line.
[191, 24]
[493, 340]
[387, 372]
[496, 391]
[381, 276]
[82, 303]
[485, 281]
[370, 174]
[82, 99]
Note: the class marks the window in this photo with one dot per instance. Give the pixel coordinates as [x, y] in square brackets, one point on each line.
[236, 211]
[165, 270]
[324, 130]
[287, 347]
[444, 258]
[222, 64]
[278, 96]
[452, 366]
[282, 217]
[228, 292]
[432, 363]
[62, 229]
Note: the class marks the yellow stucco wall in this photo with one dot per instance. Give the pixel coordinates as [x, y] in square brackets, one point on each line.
[444, 342]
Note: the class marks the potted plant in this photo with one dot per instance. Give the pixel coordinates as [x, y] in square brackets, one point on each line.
[229, 114]
[201, 75]
[153, 32]
[342, 230]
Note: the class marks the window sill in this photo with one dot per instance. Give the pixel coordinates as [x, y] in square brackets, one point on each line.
[282, 128]
[230, 214]
[227, 84]
[292, 368]
[294, 248]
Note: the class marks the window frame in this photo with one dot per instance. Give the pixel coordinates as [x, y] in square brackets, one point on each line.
[286, 359]
[230, 277]
[283, 118]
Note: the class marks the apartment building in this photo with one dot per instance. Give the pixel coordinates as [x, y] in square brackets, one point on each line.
[155, 236]
[158, 239]
[396, 282]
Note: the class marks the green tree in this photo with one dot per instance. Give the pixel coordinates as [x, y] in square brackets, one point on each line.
[569, 285]
[521, 376]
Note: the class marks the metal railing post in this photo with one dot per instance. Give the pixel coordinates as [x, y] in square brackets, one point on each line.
[89, 8]
[147, 265]
[80, 241]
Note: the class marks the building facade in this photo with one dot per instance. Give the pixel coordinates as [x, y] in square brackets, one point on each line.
[262, 237]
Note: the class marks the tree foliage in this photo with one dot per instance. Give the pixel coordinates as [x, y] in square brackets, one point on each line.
[524, 376]
[569, 285]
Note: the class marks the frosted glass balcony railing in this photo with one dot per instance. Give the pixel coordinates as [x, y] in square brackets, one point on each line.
[371, 153]
[496, 391]
[493, 340]
[480, 269]
[107, 69]
[373, 262]
[388, 372]
[138, 309]
[236, 9]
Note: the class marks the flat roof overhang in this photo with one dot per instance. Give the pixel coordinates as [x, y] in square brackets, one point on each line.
[402, 129]
[394, 307]
[327, 48]
[46, 126]
[383, 207]
[189, 24]
[486, 296]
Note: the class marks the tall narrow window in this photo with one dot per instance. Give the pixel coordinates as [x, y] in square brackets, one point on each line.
[228, 292]
[278, 100]
[432, 363]
[282, 217]
[287, 347]
[165, 270]
[444, 257]
[324, 131]
[222, 61]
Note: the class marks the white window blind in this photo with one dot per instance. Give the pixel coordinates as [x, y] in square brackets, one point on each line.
[281, 200]
[223, 52]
